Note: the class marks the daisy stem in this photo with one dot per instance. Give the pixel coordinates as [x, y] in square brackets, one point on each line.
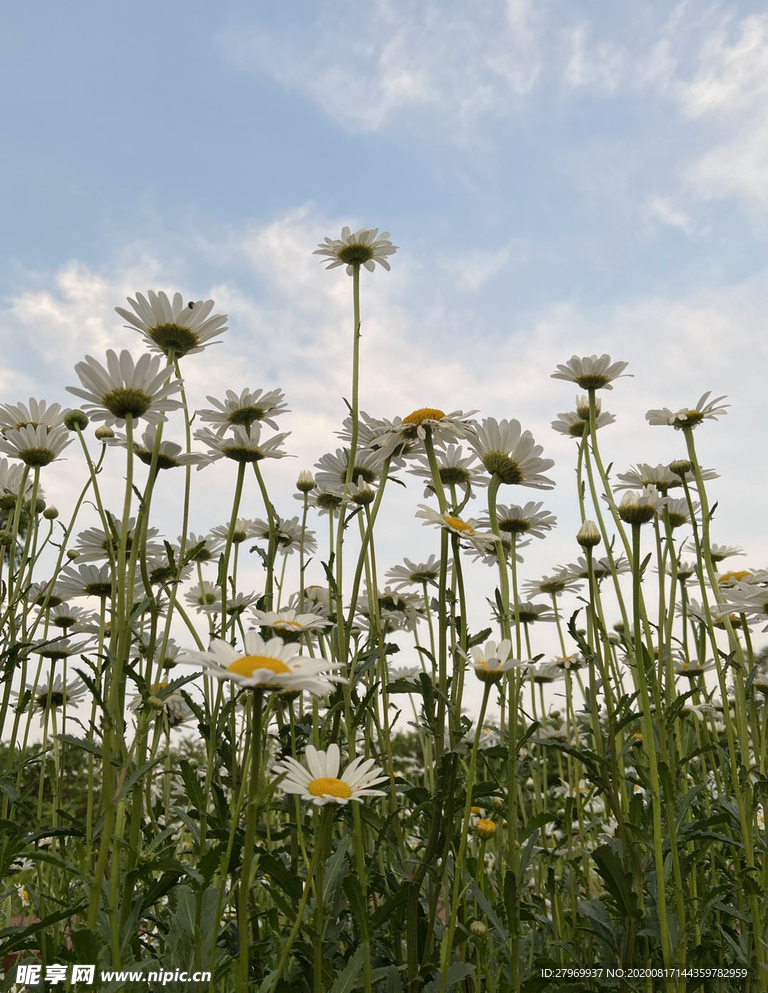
[251, 808]
[224, 567]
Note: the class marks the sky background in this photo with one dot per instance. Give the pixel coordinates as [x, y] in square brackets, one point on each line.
[561, 178]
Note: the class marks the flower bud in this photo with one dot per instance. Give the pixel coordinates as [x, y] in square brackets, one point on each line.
[104, 433]
[478, 929]
[588, 535]
[305, 482]
[76, 420]
[638, 508]
[72, 554]
[6, 538]
[485, 829]
[50, 513]
[680, 467]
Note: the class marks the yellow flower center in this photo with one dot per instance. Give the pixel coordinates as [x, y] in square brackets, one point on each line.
[485, 828]
[154, 687]
[424, 414]
[328, 786]
[249, 664]
[287, 624]
[736, 577]
[458, 525]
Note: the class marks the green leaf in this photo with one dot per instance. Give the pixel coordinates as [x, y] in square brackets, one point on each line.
[617, 880]
[346, 982]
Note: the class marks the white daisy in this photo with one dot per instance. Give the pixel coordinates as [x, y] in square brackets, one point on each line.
[35, 446]
[490, 663]
[720, 552]
[556, 584]
[169, 703]
[640, 508]
[574, 425]
[453, 467]
[64, 615]
[170, 325]
[414, 573]
[94, 544]
[600, 567]
[169, 455]
[402, 434]
[288, 622]
[288, 535]
[245, 409]
[84, 580]
[332, 468]
[466, 530]
[243, 444]
[591, 372]
[242, 530]
[511, 453]
[660, 476]
[57, 649]
[11, 476]
[689, 416]
[744, 598]
[38, 413]
[364, 247]
[319, 781]
[528, 519]
[58, 694]
[124, 388]
[208, 546]
[267, 665]
[529, 612]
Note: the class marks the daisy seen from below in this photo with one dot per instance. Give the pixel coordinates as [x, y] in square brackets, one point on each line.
[574, 425]
[266, 665]
[171, 325]
[35, 446]
[466, 530]
[242, 445]
[288, 621]
[453, 467]
[689, 417]
[319, 782]
[591, 372]
[169, 454]
[511, 454]
[403, 432]
[529, 519]
[37, 413]
[244, 409]
[491, 663]
[365, 247]
[127, 388]
[414, 573]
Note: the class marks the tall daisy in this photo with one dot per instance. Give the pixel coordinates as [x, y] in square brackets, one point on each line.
[365, 247]
[689, 417]
[591, 372]
[243, 444]
[244, 409]
[37, 413]
[127, 388]
[171, 325]
[35, 446]
[511, 453]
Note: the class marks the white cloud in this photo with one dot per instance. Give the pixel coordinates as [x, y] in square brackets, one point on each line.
[600, 66]
[363, 65]
[665, 211]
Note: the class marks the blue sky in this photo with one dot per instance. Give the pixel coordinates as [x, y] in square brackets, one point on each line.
[560, 177]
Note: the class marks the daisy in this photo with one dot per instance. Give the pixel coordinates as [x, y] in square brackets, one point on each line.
[243, 444]
[170, 325]
[742, 576]
[414, 573]
[319, 781]
[591, 372]
[689, 417]
[57, 649]
[679, 513]
[95, 544]
[267, 665]
[35, 446]
[324, 501]
[40, 593]
[511, 453]
[744, 598]
[360, 494]
[288, 621]
[171, 704]
[529, 612]
[127, 389]
[508, 543]
[84, 580]
[63, 615]
[395, 608]
[11, 476]
[466, 530]
[245, 409]
[690, 670]
[575, 426]
[492, 662]
[453, 467]
[169, 455]
[364, 247]
[288, 535]
[58, 694]
[202, 548]
[37, 414]
[561, 582]
[403, 433]
[600, 567]
[529, 519]
[663, 477]
[720, 552]
[332, 468]
[242, 530]
[639, 508]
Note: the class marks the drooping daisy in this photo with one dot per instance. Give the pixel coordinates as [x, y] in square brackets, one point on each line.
[396, 609]
[575, 426]
[35, 446]
[466, 530]
[591, 372]
[169, 455]
[490, 664]
[288, 622]
[40, 593]
[689, 417]
[443, 428]
[365, 247]
[245, 409]
[319, 782]
[414, 573]
[243, 444]
[528, 519]
[511, 453]
[720, 552]
[679, 513]
[266, 665]
[37, 413]
[170, 325]
[127, 388]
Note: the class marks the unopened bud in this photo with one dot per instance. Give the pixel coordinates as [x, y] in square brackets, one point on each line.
[305, 482]
[478, 929]
[104, 433]
[680, 467]
[76, 420]
[50, 513]
[588, 535]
